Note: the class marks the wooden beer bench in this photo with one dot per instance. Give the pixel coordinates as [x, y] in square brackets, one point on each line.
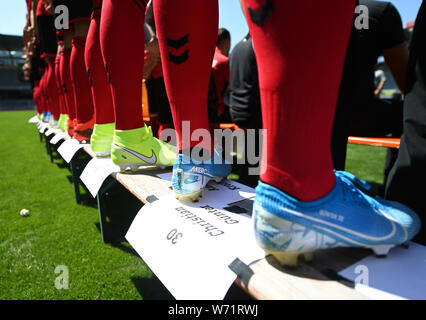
[122, 195]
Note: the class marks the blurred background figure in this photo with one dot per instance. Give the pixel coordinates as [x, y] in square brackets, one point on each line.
[159, 107]
[244, 99]
[408, 175]
[244, 96]
[359, 111]
[219, 80]
[379, 80]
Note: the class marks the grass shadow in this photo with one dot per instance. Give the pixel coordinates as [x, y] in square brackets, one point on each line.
[60, 163]
[87, 200]
[126, 247]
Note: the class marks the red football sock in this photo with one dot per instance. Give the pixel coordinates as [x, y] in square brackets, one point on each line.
[300, 69]
[62, 108]
[43, 91]
[101, 92]
[187, 33]
[67, 82]
[41, 95]
[122, 46]
[82, 93]
[52, 94]
[62, 81]
[36, 97]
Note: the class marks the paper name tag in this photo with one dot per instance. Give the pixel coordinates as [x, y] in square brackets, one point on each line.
[58, 137]
[43, 127]
[34, 119]
[95, 173]
[222, 193]
[69, 148]
[401, 275]
[49, 132]
[190, 247]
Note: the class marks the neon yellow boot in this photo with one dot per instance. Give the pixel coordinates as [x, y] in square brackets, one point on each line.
[62, 122]
[134, 148]
[101, 139]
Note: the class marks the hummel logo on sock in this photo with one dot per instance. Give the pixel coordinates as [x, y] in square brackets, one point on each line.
[260, 16]
[177, 44]
[178, 60]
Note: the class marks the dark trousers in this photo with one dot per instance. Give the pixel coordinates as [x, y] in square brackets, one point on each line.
[407, 179]
[243, 170]
[158, 100]
[379, 118]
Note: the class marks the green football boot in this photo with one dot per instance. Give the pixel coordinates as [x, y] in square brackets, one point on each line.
[134, 148]
[62, 122]
[101, 139]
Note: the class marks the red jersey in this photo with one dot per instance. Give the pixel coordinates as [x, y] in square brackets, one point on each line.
[220, 69]
[41, 9]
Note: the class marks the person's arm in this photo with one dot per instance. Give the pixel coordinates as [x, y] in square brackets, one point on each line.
[34, 19]
[48, 5]
[33, 13]
[379, 88]
[31, 29]
[149, 17]
[153, 57]
[397, 60]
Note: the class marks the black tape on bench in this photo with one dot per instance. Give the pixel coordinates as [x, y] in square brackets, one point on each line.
[333, 275]
[242, 270]
[151, 198]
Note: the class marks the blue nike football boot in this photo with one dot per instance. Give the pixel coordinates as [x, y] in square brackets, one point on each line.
[191, 176]
[287, 228]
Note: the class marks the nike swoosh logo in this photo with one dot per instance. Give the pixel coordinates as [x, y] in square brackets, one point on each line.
[260, 16]
[323, 225]
[149, 160]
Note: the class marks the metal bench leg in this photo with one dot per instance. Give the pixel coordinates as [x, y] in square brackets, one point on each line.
[117, 209]
[77, 165]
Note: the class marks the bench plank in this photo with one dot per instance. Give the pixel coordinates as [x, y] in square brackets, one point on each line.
[270, 280]
[378, 142]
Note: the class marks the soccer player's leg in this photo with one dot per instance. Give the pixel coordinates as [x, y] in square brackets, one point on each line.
[133, 143]
[187, 33]
[80, 12]
[301, 204]
[103, 130]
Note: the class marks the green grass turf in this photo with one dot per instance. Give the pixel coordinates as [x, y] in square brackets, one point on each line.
[57, 232]
[60, 232]
[367, 163]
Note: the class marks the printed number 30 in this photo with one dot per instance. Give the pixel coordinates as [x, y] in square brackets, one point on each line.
[174, 235]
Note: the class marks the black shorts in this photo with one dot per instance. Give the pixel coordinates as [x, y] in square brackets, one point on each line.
[35, 74]
[158, 100]
[77, 9]
[47, 35]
